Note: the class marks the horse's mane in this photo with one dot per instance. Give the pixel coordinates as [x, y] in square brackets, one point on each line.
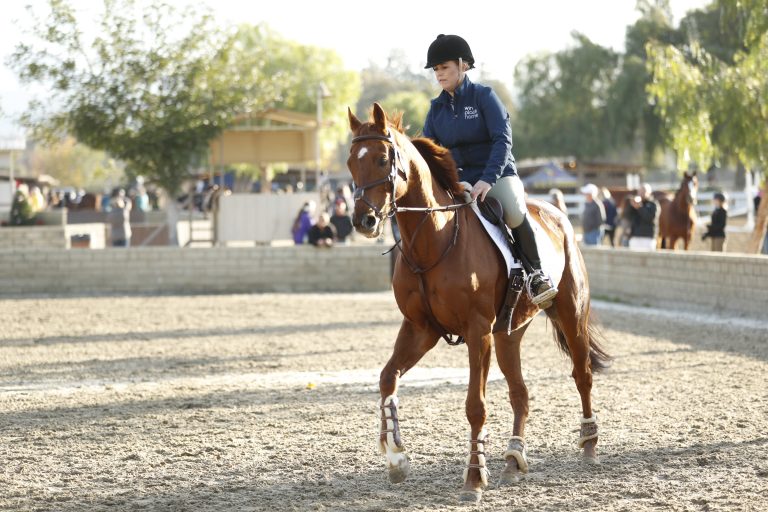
[440, 163]
[438, 158]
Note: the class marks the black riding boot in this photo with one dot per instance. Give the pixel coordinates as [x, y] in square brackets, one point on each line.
[540, 287]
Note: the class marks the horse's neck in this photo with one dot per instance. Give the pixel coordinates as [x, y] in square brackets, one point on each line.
[422, 192]
[680, 199]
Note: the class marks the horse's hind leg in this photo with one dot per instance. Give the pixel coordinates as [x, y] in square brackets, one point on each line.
[573, 336]
[508, 356]
[411, 345]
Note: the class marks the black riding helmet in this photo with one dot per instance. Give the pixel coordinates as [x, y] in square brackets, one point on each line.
[449, 47]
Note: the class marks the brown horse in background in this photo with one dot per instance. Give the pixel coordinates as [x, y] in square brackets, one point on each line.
[449, 275]
[678, 214]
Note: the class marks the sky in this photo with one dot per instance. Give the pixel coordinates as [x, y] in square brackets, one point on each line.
[499, 33]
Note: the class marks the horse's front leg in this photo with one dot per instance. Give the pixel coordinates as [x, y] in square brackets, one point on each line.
[411, 345]
[476, 474]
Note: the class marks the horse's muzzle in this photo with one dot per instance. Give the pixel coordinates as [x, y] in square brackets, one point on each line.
[368, 225]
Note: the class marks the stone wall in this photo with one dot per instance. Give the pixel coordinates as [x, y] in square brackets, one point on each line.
[706, 281]
[153, 270]
[727, 283]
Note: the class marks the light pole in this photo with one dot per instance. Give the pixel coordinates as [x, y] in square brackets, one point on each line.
[322, 92]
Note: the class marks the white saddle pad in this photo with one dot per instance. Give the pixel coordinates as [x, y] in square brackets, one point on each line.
[552, 263]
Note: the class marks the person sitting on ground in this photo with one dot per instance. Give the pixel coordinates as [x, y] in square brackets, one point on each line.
[323, 233]
[716, 228]
[341, 221]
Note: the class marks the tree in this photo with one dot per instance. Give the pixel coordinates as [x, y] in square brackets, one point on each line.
[76, 165]
[396, 77]
[150, 94]
[715, 103]
[562, 101]
[414, 106]
[293, 72]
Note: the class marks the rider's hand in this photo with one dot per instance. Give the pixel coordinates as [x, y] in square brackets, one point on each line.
[480, 189]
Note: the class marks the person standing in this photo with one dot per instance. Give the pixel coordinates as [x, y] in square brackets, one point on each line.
[611, 216]
[593, 216]
[120, 222]
[470, 120]
[643, 214]
[716, 228]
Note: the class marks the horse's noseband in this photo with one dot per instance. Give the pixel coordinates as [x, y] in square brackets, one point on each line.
[394, 156]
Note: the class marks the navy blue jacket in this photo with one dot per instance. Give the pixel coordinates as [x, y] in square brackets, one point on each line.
[477, 131]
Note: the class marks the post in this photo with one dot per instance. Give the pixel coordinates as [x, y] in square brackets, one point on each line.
[322, 92]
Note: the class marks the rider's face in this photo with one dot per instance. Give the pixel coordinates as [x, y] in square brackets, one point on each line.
[448, 75]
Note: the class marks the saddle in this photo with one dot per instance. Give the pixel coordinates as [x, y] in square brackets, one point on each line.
[492, 210]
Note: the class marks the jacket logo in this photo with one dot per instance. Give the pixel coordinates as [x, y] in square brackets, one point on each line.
[471, 113]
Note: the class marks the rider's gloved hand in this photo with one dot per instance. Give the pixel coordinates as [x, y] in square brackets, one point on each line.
[480, 189]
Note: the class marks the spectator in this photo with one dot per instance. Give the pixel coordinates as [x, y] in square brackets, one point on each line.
[644, 216]
[593, 216]
[303, 222]
[716, 228]
[36, 199]
[119, 220]
[341, 220]
[322, 234]
[611, 214]
[556, 198]
[22, 213]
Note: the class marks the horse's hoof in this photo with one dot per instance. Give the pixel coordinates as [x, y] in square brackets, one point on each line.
[399, 472]
[592, 461]
[471, 497]
[511, 474]
[510, 477]
[590, 452]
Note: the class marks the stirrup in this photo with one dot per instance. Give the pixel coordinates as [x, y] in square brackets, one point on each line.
[545, 296]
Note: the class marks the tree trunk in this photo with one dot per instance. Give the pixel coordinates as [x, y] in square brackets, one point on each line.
[756, 242]
[172, 218]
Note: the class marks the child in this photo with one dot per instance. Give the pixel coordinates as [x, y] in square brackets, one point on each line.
[716, 229]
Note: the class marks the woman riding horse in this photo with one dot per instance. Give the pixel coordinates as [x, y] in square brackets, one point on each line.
[470, 120]
[449, 278]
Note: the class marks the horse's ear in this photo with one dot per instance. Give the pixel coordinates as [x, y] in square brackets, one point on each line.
[379, 117]
[354, 122]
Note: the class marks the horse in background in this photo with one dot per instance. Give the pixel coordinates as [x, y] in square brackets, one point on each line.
[449, 278]
[677, 219]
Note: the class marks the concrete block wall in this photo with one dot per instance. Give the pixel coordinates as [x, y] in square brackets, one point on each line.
[157, 270]
[37, 237]
[705, 281]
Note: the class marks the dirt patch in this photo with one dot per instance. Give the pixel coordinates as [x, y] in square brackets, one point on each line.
[268, 402]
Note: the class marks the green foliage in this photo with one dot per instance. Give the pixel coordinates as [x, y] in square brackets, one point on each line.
[288, 75]
[382, 82]
[563, 100]
[414, 106]
[76, 165]
[151, 88]
[713, 94]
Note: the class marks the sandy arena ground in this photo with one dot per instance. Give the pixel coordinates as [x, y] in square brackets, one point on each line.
[268, 402]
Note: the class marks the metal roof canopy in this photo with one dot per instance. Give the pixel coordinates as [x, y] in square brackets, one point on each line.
[291, 141]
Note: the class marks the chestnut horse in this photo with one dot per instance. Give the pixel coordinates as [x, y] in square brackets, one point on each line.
[678, 215]
[449, 275]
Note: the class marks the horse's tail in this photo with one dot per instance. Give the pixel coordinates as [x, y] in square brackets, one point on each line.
[598, 357]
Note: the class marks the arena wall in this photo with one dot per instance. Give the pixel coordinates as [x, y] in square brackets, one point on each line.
[705, 281]
[734, 284]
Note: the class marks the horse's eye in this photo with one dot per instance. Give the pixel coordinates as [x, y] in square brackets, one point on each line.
[383, 161]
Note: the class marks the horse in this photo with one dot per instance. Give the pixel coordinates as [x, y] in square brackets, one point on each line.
[449, 277]
[678, 215]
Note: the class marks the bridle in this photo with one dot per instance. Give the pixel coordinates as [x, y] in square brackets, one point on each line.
[394, 171]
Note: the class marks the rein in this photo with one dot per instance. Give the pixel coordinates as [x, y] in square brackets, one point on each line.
[394, 172]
